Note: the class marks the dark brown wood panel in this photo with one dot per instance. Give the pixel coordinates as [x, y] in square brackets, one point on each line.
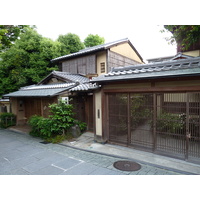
[117, 60]
[84, 65]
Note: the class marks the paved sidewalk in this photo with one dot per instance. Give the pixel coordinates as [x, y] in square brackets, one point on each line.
[104, 155]
[21, 154]
[86, 141]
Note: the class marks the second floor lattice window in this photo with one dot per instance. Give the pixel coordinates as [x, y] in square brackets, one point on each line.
[103, 69]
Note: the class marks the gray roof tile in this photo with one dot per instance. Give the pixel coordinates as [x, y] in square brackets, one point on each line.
[72, 77]
[50, 86]
[90, 49]
[84, 87]
[182, 67]
[36, 93]
[41, 90]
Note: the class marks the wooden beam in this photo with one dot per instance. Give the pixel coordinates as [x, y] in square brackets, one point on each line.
[155, 89]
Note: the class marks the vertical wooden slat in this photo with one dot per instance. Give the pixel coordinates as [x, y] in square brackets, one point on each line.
[154, 121]
[41, 107]
[129, 118]
[187, 126]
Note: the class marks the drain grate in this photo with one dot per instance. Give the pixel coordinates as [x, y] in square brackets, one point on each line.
[127, 165]
[45, 142]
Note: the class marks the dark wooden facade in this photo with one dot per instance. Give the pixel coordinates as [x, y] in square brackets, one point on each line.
[25, 107]
[82, 65]
[88, 64]
[38, 106]
[160, 116]
[83, 109]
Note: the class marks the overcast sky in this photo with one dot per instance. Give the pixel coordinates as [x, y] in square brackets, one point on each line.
[140, 21]
[147, 39]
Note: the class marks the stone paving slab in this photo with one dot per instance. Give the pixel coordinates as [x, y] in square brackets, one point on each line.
[82, 169]
[67, 164]
[48, 170]
[29, 156]
[18, 163]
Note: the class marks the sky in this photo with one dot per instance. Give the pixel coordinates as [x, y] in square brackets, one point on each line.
[147, 39]
[139, 21]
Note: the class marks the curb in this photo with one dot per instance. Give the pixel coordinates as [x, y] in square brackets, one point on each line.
[130, 159]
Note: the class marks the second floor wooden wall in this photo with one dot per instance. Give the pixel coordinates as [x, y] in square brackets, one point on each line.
[91, 64]
[117, 60]
[82, 65]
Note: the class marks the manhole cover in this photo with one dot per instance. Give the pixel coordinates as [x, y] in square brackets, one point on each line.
[127, 165]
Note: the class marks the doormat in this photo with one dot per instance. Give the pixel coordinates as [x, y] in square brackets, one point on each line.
[45, 142]
[124, 165]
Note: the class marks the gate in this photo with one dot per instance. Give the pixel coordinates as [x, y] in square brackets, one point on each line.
[164, 123]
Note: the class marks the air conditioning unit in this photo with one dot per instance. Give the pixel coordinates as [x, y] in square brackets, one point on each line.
[65, 99]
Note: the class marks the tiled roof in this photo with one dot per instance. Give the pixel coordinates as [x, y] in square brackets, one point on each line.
[182, 67]
[84, 87]
[66, 77]
[72, 77]
[90, 49]
[41, 90]
[36, 93]
[181, 55]
[52, 89]
[50, 86]
[94, 49]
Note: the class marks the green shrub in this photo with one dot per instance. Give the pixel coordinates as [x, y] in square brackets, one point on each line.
[55, 128]
[82, 125]
[62, 117]
[7, 119]
[34, 123]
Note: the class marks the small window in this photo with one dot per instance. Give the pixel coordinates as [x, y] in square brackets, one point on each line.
[103, 69]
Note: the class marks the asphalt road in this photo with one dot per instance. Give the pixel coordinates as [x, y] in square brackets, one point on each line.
[21, 154]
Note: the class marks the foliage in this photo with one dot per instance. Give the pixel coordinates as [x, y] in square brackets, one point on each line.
[27, 61]
[7, 119]
[34, 123]
[168, 122]
[25, 55]
[139, 113]
[70, 43]
[59, 138]
[55, 128]
[62, 115]
[184, 35]
[81, 125]
[93, 40]
[10, 33]
[56, 139]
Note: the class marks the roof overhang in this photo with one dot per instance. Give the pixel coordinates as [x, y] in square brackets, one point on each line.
[37, 93]
[177, 68]
[149, 76]
[96, 49]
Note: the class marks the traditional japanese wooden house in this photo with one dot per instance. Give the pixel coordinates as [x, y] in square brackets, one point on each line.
[72, 81]
[153, 107]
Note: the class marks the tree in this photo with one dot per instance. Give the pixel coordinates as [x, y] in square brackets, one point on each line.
[71, 43]
[9, 33]
[93, 40]
[186, 37]
[27, 61]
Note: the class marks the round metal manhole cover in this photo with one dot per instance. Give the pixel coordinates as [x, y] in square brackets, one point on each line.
[127, 165]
